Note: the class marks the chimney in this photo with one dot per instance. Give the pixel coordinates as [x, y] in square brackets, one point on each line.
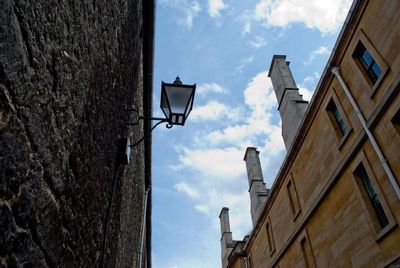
[226, 236]
[291, 105]
[258, 191]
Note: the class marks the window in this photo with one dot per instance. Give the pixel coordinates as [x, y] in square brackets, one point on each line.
[270, 238]
[368, 63]
[250, 262]
[307, 252]
[373, 197]
[293, 198]
[337, 119]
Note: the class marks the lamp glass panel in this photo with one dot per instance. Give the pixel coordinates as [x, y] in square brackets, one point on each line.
[189, 107]
[178, 98]
[164, 104]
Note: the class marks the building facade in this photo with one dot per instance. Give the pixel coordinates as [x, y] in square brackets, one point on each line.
[336, 199]
[68, 69]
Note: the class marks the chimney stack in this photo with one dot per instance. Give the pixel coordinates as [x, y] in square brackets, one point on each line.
[226, 236]
[258, 191]
[291, 105]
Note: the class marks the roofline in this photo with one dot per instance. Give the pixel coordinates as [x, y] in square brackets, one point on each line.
[148, 13]
[346, 30]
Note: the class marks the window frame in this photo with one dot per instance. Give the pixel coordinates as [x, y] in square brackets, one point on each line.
[364, 40]
[380, 233]
[361, 53]
[270, 237]
[333, 99]
[305, 237]
[250, 260]
[293, 199]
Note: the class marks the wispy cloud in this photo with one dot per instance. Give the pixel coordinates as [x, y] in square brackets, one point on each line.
[206, 88]
[246, 19]
[243, 63]
[187, 8]
[187, 189]
[215, 7]
[257, 42]
[326, 16]
[203, 208]
[322, 50]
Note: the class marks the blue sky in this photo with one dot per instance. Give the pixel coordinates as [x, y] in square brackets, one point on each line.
[225, 47]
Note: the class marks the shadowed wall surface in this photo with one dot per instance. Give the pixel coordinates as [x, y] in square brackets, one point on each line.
[66, 70]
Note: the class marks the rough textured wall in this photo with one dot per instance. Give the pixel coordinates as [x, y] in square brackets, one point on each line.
[66, 69]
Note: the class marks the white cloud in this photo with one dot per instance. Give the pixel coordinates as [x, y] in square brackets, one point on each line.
[189, 10]
[309, 82]
[203, 209]
[243, 63]
[214, 110]
[206, 88]
[216, 162]
[311, 79]
[257, 42]
[259, 94]
[215, 6]
[322, 50]
[218, 172]
[326, 16]
[307, 93]
[187, 189]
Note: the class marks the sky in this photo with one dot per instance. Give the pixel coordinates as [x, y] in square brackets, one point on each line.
[226, 47]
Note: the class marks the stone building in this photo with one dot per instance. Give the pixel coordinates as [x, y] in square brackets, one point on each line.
[67, 70]
[336, 199]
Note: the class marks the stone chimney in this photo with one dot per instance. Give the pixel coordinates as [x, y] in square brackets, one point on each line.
[226, 236]
[291, 105]
[258, 191]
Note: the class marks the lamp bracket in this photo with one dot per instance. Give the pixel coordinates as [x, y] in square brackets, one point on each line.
[139, 117]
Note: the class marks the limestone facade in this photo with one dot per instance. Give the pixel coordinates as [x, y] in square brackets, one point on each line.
[333, 203]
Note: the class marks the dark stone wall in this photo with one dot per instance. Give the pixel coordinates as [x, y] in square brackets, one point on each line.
[66, 70]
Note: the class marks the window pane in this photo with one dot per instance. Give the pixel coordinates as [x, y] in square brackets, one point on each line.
[373, 197]
[383, 220]
[368, 63]
[339, 120]
[367, 59]
[375, 68]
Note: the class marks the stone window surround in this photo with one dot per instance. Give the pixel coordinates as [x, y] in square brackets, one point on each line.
[302, 240]
[361, 37]
[380, 233]
[270, 237]
[293, 198]
[340, 138]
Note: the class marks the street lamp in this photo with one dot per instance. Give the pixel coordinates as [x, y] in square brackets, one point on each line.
[177, 101]
[176, 104]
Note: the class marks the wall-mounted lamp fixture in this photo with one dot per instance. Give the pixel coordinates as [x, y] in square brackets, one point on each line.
[176, 104]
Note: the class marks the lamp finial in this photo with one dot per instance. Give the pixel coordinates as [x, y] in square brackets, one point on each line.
[177, 81]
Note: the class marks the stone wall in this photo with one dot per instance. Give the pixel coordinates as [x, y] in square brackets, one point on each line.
[66, 70]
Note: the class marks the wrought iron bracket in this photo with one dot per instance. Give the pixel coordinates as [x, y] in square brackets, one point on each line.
[140, 117]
